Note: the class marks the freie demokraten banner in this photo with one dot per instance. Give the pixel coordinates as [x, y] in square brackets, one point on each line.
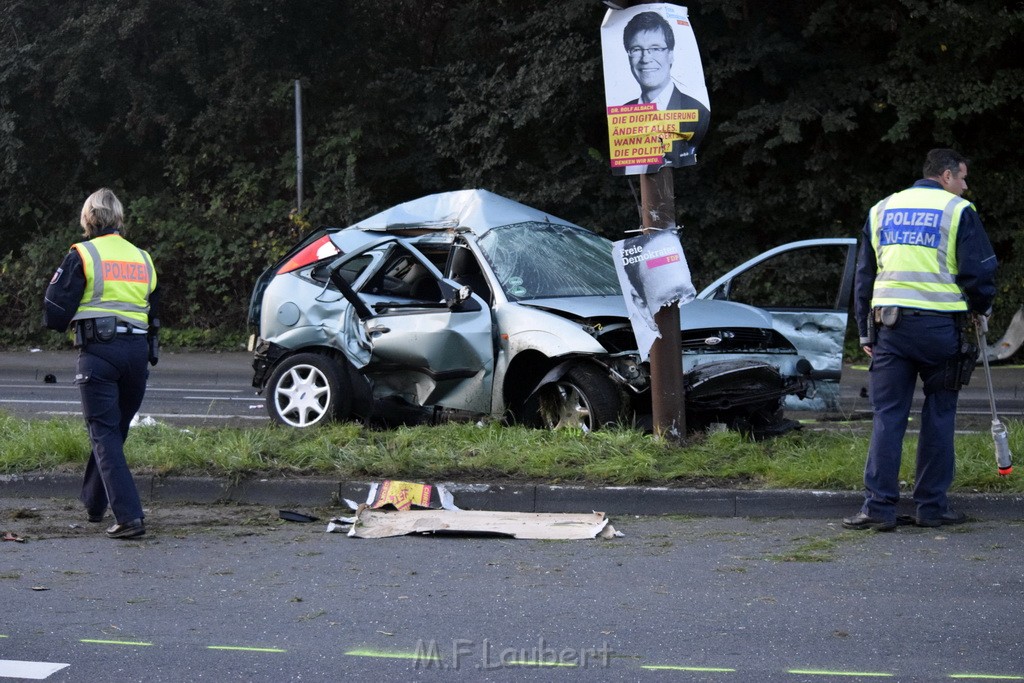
[652, 273]
[656, 99]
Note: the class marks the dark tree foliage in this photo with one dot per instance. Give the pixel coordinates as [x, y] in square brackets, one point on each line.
[185, 108]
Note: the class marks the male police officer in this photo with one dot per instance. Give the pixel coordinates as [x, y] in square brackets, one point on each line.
[925, 264]
[106, 286]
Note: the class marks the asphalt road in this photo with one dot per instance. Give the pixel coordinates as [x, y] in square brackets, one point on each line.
[230, 593]
[192, 389]
[197, 389]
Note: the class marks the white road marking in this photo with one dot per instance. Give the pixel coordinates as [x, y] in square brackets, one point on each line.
[217, 398]
[199, 416]
[148, 389]
[37, 671]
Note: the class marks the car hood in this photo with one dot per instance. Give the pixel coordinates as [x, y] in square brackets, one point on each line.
[697, 314]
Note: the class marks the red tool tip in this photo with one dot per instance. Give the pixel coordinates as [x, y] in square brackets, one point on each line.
[1004, 471]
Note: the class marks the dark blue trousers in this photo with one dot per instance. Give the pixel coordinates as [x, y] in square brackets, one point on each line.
[918, 346]
[112, 380]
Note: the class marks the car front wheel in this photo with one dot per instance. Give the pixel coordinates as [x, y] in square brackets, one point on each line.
[308, 389]
[584, 398]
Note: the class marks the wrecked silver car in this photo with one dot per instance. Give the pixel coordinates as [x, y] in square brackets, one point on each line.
[467, 304]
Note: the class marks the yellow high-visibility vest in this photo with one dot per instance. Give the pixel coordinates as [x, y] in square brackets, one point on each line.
[913, 234]
[119, 277]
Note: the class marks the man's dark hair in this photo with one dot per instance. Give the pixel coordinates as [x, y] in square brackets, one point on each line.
[940, 160]
[648, 21]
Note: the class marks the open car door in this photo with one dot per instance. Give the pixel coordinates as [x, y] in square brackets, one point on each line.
[807, 287]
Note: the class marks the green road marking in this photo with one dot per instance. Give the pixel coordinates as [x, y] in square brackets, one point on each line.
[988, 677]
[816, 672]
[393, 655]
[672, 667]
[858, 367]
[113, 642]
[244, 649]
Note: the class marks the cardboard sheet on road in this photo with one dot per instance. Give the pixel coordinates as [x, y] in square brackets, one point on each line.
[371, 523]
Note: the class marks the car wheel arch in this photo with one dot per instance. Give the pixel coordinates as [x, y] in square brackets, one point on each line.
[537, 374]
[523, 375]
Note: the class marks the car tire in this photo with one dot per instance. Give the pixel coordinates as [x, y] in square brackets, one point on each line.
[583, 398]
[308, 389]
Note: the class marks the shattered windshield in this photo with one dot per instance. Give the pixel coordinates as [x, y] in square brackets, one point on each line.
[540, 260]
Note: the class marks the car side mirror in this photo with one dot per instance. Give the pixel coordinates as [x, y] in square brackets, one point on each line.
[459, 296]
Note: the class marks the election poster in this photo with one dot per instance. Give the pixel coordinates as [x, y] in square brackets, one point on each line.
[656, 100]
[653, 273]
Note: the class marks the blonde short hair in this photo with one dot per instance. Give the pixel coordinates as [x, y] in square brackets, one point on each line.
[102, 210]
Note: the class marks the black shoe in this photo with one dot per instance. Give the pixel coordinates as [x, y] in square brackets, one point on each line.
[132, 529]
[946, 518]
[96, 518]
[862, 520]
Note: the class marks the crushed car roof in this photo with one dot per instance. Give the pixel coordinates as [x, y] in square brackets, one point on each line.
[474, 210]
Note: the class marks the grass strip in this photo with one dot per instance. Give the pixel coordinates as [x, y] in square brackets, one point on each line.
[489, 452]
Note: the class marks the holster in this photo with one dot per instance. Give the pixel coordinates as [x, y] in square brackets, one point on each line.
[153, 339]
[872, 330]
[960, 367]
[154, 348]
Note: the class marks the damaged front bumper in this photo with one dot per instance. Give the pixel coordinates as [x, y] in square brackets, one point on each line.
[727, 390]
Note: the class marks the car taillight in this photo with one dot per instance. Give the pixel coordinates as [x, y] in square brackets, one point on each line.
[315, 251]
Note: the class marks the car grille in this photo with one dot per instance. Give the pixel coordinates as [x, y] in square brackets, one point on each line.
[735, 340]
[618, 339]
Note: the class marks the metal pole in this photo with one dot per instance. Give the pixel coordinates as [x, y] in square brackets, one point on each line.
[657, 201]
[298, 143]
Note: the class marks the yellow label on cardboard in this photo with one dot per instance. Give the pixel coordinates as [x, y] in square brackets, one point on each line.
[403, 495]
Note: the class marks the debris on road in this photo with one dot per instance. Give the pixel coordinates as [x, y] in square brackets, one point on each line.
[290, 516]
[388, 511]
[401, 494]
[370, 523]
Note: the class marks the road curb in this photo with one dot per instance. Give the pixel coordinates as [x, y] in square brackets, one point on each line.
[617, 500]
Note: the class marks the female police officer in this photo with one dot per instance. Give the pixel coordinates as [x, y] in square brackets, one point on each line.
[106, 287]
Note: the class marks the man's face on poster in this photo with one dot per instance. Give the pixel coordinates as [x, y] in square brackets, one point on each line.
[658, 283]
[650, 60]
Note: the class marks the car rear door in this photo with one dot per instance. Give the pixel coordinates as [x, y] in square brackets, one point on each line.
[807, 287]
